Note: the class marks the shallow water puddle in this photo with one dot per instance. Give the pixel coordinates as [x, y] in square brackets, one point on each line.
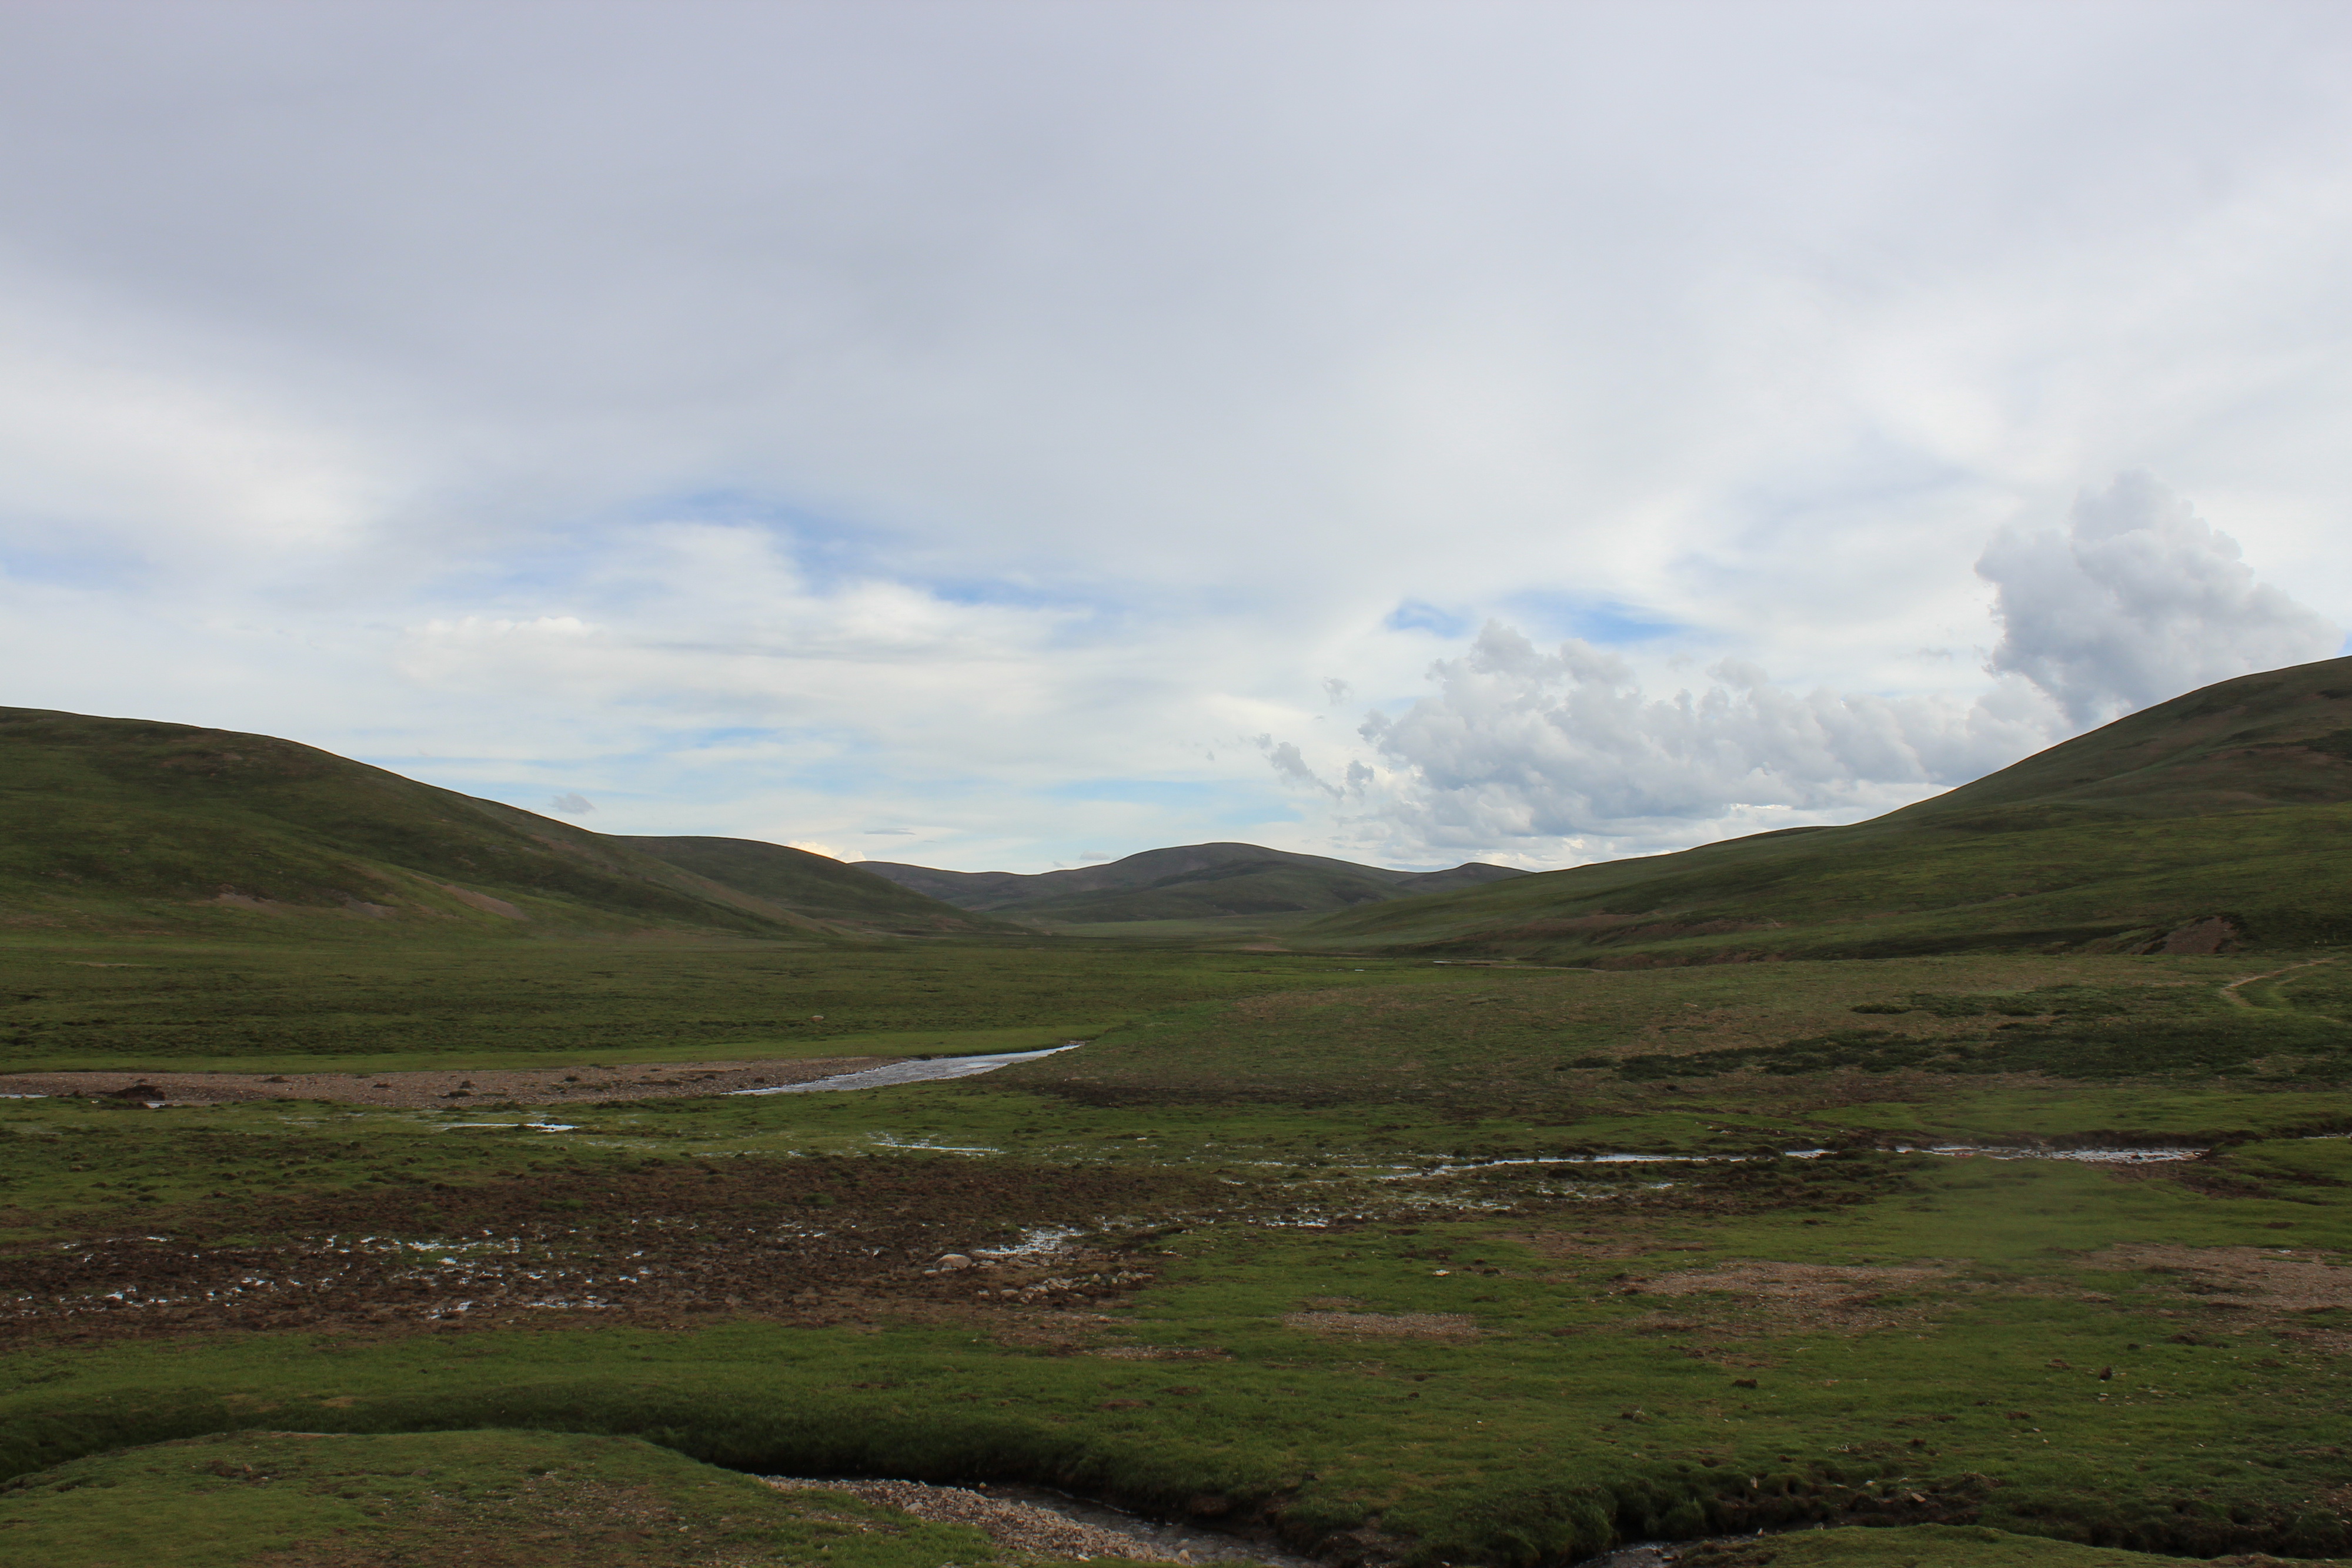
[917, 1072]
[1949, 1150]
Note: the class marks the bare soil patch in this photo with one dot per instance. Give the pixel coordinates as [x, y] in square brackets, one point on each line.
[1802, 1298]
[814, 1241]
[1593, 1245]
[2258, 1285]
[454, 1087]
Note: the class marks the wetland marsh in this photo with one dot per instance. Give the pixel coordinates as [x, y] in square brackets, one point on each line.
[1328, 1249]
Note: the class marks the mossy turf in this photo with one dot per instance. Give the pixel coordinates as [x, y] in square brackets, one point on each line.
[1363, 1279]
[491, 1499]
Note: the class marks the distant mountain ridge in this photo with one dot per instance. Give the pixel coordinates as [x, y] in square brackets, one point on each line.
[1189, 881]
[115, 824]
[2222, 818]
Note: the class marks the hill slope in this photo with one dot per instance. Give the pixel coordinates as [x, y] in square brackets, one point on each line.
[1191, 882]
[108, 821]
[2222, 817]
[811, 884]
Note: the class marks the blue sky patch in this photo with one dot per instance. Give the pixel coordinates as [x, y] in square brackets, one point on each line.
[1414, 615]
[1601, 622]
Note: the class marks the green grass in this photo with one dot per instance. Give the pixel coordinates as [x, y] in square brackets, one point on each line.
[903, 1042]
[1580, 1412]
[811, 884]
[150, 1006]
[1207, 929]
[234, 1499]
[1769, 1046]
[1263, 1136]
[1321, 1246]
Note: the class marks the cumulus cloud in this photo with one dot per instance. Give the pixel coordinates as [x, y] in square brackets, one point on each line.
[1568, 755]
[1564, 755]
[2137, 600]
[1055, 397]
[1292, 765]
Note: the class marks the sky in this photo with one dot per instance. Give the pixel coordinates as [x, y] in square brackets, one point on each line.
[1007, 436]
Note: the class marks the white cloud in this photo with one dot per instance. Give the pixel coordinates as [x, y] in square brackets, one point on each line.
[787, 421]
[1563, 757]
[2139, 600]
[1568, 756]
[1291, 764]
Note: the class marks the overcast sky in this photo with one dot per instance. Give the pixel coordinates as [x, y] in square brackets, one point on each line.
[1002, 436]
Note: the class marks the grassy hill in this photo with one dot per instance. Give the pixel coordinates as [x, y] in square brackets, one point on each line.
[2223, 817]
[128, 823]
[1191, 883]
[813, 885]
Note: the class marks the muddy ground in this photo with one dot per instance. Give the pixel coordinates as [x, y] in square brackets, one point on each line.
[439, 1090]
[811, 1241]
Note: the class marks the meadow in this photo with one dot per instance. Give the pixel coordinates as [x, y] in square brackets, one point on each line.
[1326, 1245]
[365, 1006]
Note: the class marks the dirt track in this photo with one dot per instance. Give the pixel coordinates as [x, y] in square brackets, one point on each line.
[452, 1088]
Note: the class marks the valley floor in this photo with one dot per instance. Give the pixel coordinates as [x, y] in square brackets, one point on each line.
[1319, 1251]
[448, 1089]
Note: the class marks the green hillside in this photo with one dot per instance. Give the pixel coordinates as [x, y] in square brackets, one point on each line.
[2222, 817]
[114, 824]
[1193, 882]
[811, 884]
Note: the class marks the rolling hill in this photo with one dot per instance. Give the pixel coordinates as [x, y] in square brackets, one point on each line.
[1194, 882]
[813, 885]
[2220, 817]
[114, 823]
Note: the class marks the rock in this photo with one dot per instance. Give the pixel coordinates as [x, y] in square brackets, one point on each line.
[953, 1261]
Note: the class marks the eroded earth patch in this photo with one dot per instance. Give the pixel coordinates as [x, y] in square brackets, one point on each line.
[814, 1241]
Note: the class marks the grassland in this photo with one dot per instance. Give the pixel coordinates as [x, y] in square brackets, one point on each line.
[364, 1005]
[492, 1499]
[1312, 1242]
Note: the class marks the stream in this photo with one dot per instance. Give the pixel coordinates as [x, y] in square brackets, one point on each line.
[919, 1071]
